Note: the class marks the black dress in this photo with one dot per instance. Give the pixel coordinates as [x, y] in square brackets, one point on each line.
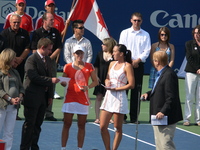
[102, 66]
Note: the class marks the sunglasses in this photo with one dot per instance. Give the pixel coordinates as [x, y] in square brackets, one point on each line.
[16, 22]
[80, 28]
[163, 34]
[137, 20]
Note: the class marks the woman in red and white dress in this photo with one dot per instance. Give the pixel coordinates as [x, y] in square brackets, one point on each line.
[76, 98]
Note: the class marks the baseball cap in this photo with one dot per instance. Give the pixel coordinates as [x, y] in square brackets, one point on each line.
[78, 47]
[20, 1]
[48, 2]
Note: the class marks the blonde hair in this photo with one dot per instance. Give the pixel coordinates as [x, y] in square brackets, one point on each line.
[6, 56]
[161, 56]
[110, 43]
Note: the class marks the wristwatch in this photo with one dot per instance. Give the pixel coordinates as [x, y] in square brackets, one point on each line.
[9, 98]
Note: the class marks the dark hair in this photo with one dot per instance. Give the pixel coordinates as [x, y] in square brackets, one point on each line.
[137, 14]
[167, 32]
[44, 42]
[76, 22]
[197, 27]
[127, 53]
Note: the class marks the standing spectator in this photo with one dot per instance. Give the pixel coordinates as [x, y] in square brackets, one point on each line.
[38, 86]
[48, 31]
[164, 101]
[17, 39]
[11, 93]
[76, 100]
[192, 78]
[77, 39]
[162, 45]
[115, 102]
[101, 65]
[138, 41]
[3, 44]
[26, 20]
[59, 24]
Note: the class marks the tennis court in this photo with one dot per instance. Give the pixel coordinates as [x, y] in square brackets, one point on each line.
[51, 132]
[186, 138]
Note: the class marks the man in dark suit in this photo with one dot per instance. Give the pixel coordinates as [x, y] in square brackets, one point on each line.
[164, 101]
[48, 31]
[39, 93]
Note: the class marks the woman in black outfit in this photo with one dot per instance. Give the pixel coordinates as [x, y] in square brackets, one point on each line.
[101, 65]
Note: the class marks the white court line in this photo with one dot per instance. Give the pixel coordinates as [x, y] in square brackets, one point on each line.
[188, 131]
[129, 136]
[147, 142]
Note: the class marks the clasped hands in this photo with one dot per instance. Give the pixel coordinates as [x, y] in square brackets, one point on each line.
[16, 100]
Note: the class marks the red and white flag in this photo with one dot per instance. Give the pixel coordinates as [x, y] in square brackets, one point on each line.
[89, 12]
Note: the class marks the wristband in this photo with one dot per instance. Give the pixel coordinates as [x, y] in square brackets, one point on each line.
[9, 98]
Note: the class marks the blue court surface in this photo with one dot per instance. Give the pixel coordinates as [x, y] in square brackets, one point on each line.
[50, 138]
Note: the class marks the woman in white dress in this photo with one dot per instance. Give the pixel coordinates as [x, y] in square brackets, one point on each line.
[120, 78]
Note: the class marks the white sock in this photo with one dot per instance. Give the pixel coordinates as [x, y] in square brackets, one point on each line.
[80, 148]
[63, 148]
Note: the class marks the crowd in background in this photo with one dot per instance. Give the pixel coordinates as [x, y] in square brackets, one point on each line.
[29, 57]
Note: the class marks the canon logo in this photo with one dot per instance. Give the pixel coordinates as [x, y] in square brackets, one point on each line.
[160, 18]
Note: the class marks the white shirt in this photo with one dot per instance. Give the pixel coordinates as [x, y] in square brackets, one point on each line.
[138, 42]
[40, 54]
[69, 45]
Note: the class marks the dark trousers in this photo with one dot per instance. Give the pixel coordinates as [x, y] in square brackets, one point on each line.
[49, 112]
[32, 127]
[134, 99]
[21, 71]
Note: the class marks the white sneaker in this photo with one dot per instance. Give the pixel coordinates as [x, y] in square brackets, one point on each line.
[79, 148]
[56, 96]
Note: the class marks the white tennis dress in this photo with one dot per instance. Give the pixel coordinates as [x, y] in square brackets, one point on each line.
[116, 101]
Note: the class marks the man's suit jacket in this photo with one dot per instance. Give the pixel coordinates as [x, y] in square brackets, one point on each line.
[38, 84]
[165, 96]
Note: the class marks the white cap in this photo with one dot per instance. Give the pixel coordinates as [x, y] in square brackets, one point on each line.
[78, 47]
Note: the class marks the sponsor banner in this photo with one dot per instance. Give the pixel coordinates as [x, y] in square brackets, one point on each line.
[179, 16]
[6, 7]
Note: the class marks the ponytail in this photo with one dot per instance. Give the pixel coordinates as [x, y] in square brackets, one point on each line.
[127, 57]
[127, 53]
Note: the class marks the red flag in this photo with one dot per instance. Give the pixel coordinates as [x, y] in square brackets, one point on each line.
[89, 12]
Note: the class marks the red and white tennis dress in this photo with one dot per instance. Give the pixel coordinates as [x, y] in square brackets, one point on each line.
[116, 101]
[75, 100]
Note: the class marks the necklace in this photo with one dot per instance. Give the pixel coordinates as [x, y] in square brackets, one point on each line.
[107, 56]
